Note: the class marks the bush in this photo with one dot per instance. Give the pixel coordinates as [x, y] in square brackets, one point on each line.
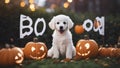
[11, 17]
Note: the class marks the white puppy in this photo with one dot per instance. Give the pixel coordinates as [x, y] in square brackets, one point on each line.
[62, 38]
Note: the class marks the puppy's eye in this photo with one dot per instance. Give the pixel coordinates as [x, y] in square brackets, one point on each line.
[57, 22]
[64, 22]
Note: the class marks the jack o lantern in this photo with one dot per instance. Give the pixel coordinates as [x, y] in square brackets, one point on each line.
[79, 29]
[86, 48]
[11, 56]
[35, 50]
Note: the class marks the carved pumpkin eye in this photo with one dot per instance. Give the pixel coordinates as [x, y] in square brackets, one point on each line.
[17, 57]
[32, 49]
[80, 47]
[42, 48]
[87, 45]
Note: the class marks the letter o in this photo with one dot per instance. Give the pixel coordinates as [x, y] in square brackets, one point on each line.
[88, 21]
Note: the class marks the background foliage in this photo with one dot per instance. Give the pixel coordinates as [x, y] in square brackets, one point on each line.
[10, 20]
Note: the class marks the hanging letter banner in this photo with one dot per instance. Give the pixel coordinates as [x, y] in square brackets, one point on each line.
[24, 33]
[99, 27]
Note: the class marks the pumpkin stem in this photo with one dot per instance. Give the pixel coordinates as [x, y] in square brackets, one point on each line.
[35, 39]
[86, 37]
[7, 45]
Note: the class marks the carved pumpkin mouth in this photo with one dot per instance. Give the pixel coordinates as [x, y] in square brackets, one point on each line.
[19, 58]
[37, 58]
[84, 54]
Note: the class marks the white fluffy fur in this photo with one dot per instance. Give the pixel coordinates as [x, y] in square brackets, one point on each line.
[62, 42]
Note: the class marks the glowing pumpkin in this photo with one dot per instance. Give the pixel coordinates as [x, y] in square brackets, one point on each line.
[79, 29]
[35, 50]
[11, 56]
[86, 48]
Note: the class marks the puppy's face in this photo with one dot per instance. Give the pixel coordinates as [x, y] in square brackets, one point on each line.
[61, 25]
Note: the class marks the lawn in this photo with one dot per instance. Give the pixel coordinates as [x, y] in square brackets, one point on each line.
[86, 63]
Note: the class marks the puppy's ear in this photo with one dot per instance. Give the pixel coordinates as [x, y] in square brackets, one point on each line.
[52, 23]
[70, 22]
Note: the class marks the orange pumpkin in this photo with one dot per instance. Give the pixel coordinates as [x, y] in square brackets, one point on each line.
[22, 4]
[11, 56]
[117, 53]
[104, 52]
[107, 52]
[79, 29]
[35, 50]
[96, 23]
[112, 52]
[86, 48]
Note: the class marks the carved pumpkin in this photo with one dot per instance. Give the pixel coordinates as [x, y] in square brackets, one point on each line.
[86, 48]
[35, 50]
[79, 29]
[11, 56]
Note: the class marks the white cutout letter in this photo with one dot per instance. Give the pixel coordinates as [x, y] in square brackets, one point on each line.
[85, 25]
[35, 26]
[101, 27]
[22, 19]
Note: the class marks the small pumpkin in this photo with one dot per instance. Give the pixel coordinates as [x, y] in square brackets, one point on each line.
[35, 50]
[104, 52]
[117, 53]
[96, 23]
[11, 56]
[112, 52]
[107, 52]
[79, 29]
[86, 48]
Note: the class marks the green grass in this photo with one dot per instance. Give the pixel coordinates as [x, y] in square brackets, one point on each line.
[84, 63]
[50, 64]
[90, 63]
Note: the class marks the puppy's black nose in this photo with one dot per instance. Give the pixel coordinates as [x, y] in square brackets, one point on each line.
[61, 27]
